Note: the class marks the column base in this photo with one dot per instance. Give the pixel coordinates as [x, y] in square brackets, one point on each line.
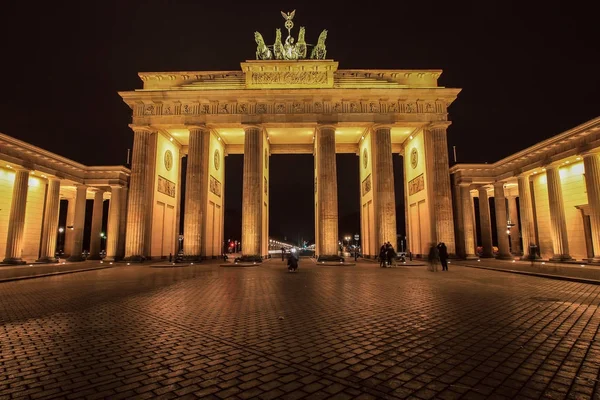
[94, 257]
[561, 257]
[188, 258]
[76, 258]
[329, 258]
[471, 257]
[112, 258]
[136, 259]
[504, 257]
[595, 260]
[47, 260]
[487, 256]
[14, 261]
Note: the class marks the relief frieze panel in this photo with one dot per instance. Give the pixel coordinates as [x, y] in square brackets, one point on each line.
[292, 107]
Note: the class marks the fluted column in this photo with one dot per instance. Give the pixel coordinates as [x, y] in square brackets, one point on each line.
[591, 163]
[438, 176]
[114, 219]
[385, 199]
[251, 196]
[485, 222]
[558, 223]
[95, 238]
[327, 206]
[196, 192]
[122, 223]
[139, 205]
[69, 232]
[50, 223]
[78, 224]
[16, 222]
[501, 220]
[515, 229]
[467, 221]
[527, 222]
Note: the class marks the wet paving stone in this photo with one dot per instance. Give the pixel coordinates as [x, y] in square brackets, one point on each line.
[356, 332]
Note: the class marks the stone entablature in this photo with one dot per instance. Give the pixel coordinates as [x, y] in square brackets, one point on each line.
[23, 154]
[296, 73]
[582, 138]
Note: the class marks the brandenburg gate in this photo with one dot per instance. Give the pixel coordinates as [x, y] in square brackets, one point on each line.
[290, 100]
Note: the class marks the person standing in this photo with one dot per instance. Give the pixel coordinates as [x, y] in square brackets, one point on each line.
[443, 254]
[390, 254]
[282, 254]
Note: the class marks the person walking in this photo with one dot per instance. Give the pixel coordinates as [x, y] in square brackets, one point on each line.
[390, 254]
[443, 255]
[282, 254]
[292, 263]
[433, 257]
[382, 256]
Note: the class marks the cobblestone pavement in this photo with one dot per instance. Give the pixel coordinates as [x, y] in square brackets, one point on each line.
[324, 332]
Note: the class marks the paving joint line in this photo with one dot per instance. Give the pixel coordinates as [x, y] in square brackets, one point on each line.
[538, 274]
[231, 343]
[19, 278]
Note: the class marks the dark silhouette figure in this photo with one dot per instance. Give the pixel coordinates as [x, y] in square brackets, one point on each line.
[382, 256]
[443, 255]
[390, 253]
[282, 254]
[433, 257]
[292, 263]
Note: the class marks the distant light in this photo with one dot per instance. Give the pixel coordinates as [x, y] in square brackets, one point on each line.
[192, 263]
[362, 137]
[219, 139]
[543, 263]
[110, 263]
[582, 265]
[478, 260]
[171, 139]
[513, 261]
[101, 262]
[410, 137]
[128, 264]
[31, 265]
[566, 162]
[64, 262]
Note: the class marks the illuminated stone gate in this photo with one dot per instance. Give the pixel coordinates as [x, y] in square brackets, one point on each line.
[283, 103]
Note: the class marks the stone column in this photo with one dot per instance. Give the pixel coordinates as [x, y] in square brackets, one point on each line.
[485, 222]
[69, 232]
[438, 176]
[501, 220]
[591, 164]
[114, 219]
[515, 229]
[16, 222]
[526, 206]
[383, 190]
[327, 206]
[122, 223]
[95, 238]
[558, 223]
[78, 224]
[196, 193]
[252, 196]
[50, 224]
[467, 222]
[138, 206]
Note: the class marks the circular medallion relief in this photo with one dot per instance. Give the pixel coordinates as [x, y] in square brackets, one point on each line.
[266, 159]
[365, 158]
[168, 159]
[217, 159]
[414, 157]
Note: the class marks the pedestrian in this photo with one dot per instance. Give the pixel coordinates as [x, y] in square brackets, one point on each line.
[282, 253]
[443, 255]
[382, 256]
[292, 263]
[355, 254]
[390, 254]
[533, 252]
[433, 257]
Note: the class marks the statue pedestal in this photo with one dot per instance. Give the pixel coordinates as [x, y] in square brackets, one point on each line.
[289, 74]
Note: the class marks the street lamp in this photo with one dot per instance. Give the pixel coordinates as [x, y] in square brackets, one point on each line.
[61, 250]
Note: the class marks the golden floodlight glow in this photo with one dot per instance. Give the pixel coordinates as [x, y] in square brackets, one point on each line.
[171, 139]
[410, 137]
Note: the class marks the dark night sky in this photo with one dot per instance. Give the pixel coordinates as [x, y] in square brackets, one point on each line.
[528, 70]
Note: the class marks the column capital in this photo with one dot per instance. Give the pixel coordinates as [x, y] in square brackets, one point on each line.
[200, 127]
[376, 127]
[590, 153]
[326, 126]
[483, 188]
[438, 125]
[499, 184]
[142, 128]
[252, 126]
